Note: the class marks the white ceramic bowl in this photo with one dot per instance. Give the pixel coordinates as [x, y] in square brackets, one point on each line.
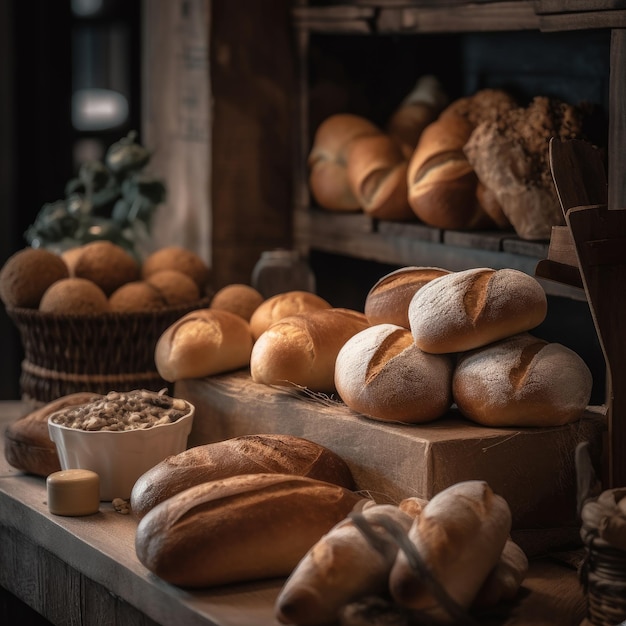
[119, 457]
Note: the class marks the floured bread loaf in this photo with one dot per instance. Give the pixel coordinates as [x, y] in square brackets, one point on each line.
[301, 350]
[381, 373]
[340, 568]
[522, 381]
[242, 528]
[388, 300]
[471, 308]
[460, 536]
[248, 454]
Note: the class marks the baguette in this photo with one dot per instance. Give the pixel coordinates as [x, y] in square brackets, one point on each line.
[381, 373]
[522, 381]
[387, 302]
[248, 454]
[203, 343]
[238, 529]
[460, 536]
[471, 308]
[340, 568]
[301, 350]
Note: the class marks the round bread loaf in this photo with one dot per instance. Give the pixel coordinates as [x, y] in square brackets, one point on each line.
[522, 381]
[180, 259]
[248, 454]
[176, 287]
[328, 177]
[27, 274]
[241, 528]
[381, 373]
[301, 350]
[388, 300]
[471, 308]
[74, 296]
[106, 264]
[203, 343]
[136, 296]
[27, 444]
[281, 305]
[243, 300]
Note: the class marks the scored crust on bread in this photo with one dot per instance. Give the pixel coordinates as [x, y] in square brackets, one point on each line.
[522, 381]
[301, 350]
[471, 308]
[382, 374]
[247, 454]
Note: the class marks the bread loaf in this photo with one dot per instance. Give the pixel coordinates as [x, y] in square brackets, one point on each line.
[248, 454]
[381, 373]
[301, 350]
[420, 107]
[340, 568]
[442, 184]
[388, 300]
[377, 174]
[328, 176]
[460, 536]
[27, 444]
[243, 528]
[203, 343]
[522, 381]
[281, 305]
[471, 308]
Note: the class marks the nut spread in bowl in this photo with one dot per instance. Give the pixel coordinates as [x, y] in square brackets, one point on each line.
[120, 436]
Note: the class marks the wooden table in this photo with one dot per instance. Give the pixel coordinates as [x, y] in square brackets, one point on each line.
[84, 570]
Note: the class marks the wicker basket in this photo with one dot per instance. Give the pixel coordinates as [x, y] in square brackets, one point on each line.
[66, 354]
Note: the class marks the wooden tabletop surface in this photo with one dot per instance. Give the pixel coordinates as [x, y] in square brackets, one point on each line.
[99, 549]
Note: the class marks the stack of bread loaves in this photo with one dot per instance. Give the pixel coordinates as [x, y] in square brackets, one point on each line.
[467, 343]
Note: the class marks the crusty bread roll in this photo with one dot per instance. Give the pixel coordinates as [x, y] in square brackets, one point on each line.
[522, 381]
[441, 182]
[203, 343]
[27, 444]
[248, 454]
[377, 174]
[328, 177]
[388, 300]
[243, 528]
[238, 298]
[381, 373]
[281, 305]
[420, 107]
[340, 568]
[460, 536]
[301, 350]
[471, 308]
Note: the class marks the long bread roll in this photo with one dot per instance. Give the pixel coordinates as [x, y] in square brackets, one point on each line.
[340, 568]
[203, 343]
[522, 381]
[471, 308]
[281, 305]
[381, 373]
[327, 161]
[243, 528]
[301, 350]
[248, 454]
[460, 536]
[387, 302]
